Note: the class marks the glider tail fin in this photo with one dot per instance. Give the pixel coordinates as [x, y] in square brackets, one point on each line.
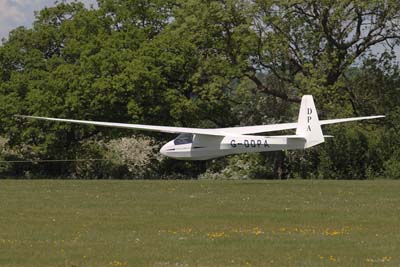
[308, 125]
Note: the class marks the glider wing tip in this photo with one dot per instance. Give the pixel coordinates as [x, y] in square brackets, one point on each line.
[20, 116]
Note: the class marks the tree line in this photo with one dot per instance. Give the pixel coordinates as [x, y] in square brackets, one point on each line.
[200, 64]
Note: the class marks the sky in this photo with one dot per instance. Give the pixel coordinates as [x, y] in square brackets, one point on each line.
[15, 13]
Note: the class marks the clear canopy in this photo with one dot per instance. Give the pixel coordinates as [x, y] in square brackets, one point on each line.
[184, 138]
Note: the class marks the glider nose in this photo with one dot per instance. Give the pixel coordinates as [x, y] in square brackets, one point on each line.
[163, 150]
[167, 149]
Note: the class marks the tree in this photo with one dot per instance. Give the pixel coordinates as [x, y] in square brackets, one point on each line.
[310, 44]
[192, 63]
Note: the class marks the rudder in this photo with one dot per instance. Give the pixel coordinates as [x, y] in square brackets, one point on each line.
[308, 122]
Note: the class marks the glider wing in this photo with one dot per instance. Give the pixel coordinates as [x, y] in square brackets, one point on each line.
[215, 132]
[165, 129]
[287, 126]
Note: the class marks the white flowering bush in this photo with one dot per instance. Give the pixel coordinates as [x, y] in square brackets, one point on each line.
[3, 167]
[7, 154]
[3, 142]
[139, 154]
[134, 157]
[238, 167]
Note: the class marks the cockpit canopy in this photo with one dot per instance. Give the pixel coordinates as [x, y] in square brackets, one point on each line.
[184, 138]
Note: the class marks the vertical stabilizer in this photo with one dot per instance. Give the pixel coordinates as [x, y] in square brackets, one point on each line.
[308, 122]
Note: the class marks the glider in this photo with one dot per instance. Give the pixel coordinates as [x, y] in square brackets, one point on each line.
[204, 144]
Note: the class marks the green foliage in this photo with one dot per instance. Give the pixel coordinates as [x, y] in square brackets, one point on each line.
[392, 167]
[204, 64]
[346, 156]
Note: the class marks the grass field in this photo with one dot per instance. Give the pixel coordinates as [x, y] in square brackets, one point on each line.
[199, 223]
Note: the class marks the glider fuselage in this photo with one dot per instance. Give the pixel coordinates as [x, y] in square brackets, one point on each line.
[203, 147]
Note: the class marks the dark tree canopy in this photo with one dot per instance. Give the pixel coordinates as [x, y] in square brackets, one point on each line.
[200, 64]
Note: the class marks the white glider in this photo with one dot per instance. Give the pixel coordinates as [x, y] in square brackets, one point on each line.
[203, 144]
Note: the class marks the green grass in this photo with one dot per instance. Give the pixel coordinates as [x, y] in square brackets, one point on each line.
[199, 223]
